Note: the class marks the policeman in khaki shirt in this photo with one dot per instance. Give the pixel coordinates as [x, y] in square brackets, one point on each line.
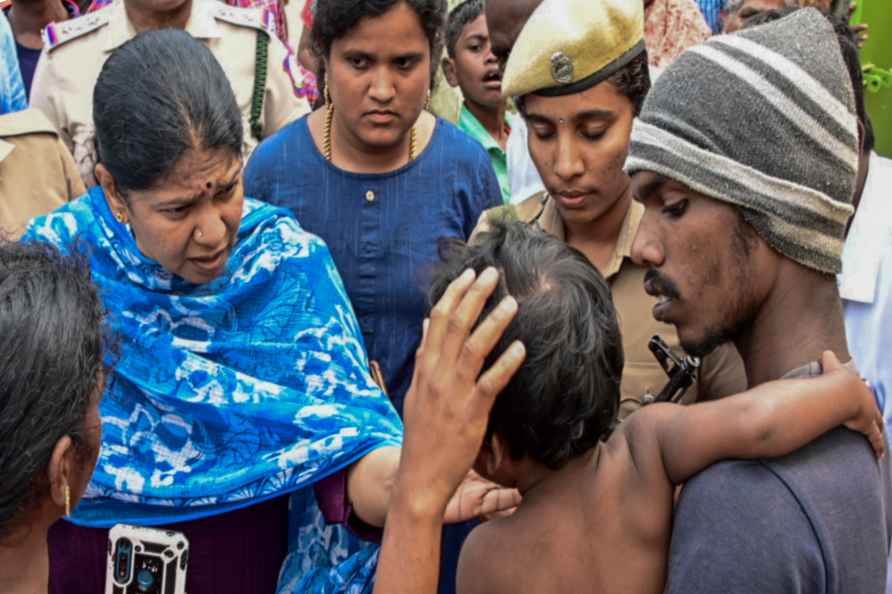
[579, 92]
[242, 39]
[37, 173]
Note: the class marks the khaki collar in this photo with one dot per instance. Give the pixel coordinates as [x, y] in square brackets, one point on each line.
[21, 123]
[201, 24]
[550, 222]
[626, 238]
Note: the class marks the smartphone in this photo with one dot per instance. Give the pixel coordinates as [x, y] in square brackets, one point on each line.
[146, 561]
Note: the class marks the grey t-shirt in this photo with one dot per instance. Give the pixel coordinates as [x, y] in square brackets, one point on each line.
[817, 521]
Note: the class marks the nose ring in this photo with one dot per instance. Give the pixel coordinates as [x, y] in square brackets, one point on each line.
[198, 233]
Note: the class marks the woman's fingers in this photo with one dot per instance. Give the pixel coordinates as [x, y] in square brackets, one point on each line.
[497, 377]
[443, 310]
[485, 337]
[464, 315]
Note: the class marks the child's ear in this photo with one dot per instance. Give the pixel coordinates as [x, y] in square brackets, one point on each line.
[449, 71]
[499, 452]
[491, 456]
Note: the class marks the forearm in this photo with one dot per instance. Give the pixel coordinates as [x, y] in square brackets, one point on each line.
[370, 484]
[768, 421]
[409, 562]
[779, 417]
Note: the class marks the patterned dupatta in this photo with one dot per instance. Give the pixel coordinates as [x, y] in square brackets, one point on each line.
[229, 393]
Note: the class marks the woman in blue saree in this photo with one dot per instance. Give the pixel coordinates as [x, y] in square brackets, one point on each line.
[242, 377]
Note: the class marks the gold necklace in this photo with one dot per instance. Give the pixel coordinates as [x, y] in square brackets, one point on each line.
[326, 135]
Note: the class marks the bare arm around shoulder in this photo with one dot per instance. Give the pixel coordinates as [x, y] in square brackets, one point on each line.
[768, 421]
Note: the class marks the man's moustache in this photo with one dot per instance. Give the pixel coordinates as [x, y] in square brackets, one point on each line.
[656, 283]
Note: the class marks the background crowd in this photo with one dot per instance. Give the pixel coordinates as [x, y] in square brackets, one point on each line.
[246, 245]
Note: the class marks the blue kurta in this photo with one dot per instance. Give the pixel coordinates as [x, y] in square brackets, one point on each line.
[382, 229]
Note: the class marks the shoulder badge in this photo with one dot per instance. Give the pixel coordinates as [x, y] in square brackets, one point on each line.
[262, 20]
[56, 34]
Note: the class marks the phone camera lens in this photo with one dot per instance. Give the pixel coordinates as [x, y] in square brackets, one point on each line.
[145, 580]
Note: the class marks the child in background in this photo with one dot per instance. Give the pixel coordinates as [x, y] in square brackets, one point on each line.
[596, 515]
[471, 66]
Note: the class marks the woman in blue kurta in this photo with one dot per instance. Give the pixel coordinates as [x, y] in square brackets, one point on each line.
[378, 178]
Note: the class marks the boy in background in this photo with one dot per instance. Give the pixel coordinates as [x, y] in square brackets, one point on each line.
[471, 66]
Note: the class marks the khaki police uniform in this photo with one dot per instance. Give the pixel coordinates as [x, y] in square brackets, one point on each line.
[37, 173]
[720, 374]
[75, 51]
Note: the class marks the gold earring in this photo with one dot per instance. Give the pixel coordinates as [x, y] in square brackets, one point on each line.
[427, 102]
[119, 216]
[327, 93]
[67, 493]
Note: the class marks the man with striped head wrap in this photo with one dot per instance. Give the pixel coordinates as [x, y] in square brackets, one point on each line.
[745, 157]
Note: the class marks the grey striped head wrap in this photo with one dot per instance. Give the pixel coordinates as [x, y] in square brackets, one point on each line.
[763, 119]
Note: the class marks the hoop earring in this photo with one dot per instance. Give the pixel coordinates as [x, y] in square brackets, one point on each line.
[67, 493]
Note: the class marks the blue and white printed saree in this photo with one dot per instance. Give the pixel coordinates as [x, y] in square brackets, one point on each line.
[225, 394]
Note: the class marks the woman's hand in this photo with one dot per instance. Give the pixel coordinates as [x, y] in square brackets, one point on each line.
[448, 404]
[868, 419]
[477, 497]
[446, 414]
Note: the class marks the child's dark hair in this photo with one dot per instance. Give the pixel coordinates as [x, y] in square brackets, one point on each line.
[565, 397]
[459, 18]
[51, 361]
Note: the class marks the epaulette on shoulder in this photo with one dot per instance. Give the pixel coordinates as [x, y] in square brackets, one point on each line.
[530, 210]
[56, 34]
[255, 18]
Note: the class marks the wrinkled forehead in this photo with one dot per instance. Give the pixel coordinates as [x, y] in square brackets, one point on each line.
[654, 188]
[648, 185]
[200, 172]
